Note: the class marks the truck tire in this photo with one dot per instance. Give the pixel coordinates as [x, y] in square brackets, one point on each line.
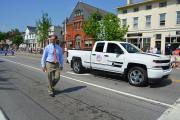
[137, 76]
[77, 66]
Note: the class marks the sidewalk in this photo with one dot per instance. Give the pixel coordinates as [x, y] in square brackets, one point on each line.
[172, 113]
[28, 54]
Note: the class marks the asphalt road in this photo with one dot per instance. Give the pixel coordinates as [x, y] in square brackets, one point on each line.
[90, 96]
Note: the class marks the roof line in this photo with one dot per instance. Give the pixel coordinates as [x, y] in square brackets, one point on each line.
[138, 3]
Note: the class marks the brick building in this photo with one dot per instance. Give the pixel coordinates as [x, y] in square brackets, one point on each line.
[75, 37]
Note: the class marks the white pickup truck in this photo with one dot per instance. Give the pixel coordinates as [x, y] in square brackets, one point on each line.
[124, 58]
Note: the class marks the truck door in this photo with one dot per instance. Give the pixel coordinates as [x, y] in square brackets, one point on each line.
[114, 58]
[97, 56]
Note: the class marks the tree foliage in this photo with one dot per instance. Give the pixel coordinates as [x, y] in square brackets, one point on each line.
[92, 26]
[14, 35]
[113, 29]
[17, 40]
[105, 28]
[2, 36]
[43, 26]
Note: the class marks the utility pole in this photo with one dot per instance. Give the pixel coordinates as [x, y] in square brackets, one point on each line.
[65, 46]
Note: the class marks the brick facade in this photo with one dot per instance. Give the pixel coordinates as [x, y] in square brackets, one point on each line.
[75, 37]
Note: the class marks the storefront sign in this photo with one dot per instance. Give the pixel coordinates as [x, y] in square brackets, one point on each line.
[134, 35]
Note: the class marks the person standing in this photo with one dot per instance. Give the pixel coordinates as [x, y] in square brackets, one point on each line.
[52, 63]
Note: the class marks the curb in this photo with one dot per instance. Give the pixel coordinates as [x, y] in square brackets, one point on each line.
[172, 113]
[3, 116]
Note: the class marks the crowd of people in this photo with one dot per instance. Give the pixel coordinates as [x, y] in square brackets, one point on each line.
[7, 50]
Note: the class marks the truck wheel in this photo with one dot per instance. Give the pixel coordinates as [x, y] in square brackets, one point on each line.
[137, 76]
[77, 66]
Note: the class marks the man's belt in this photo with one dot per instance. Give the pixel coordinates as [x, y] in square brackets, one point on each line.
[52, 62]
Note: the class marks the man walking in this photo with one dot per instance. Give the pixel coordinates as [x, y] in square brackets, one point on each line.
[52, 63]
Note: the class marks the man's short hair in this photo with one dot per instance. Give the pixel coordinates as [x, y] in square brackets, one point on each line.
[55, 36]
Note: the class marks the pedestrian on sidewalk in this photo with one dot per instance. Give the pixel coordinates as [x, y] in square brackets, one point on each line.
[173, 61]
[52, 63]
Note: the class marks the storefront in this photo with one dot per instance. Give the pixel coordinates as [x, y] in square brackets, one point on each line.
[140, 41]
[171, 43]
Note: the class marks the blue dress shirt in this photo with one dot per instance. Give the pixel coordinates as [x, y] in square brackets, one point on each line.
[48, 55]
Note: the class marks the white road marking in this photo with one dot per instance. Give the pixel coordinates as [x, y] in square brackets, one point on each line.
[76, 73]
[102, 87]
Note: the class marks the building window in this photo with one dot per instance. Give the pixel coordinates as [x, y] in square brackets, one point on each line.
[167, 40]
[162, 19]
[124, 11]
[158, 36]
[178, 40]
[88, 43]
[148, 7]
[124, 22]
[135, 23]
[78, 13]
[76, 26]
[178, 17]
[177, 32]
[162, 4]
[146, 44]
[148, 21]
[178, 1]
[136, 9]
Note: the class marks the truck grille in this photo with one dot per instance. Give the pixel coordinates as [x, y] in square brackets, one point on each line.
[161, 61]
[166, 67]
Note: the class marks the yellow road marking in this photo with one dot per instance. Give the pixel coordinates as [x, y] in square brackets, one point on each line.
[174, 80]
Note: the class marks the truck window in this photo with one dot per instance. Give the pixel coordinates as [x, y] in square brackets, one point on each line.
[114, 48]
[99, 47]
[130, 48]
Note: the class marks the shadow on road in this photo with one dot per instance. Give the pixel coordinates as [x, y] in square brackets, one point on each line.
[4, 82]
[120, 78]
[162, 83]
[69, 90]
[109, 76]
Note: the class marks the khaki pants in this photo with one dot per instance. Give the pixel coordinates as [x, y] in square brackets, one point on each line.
[53, 72]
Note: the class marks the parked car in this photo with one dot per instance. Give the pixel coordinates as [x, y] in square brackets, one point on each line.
[124, 58]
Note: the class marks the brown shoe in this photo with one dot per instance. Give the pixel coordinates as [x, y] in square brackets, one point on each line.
[51, 93]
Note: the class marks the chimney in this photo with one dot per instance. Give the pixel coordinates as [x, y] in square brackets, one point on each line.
[129, 2]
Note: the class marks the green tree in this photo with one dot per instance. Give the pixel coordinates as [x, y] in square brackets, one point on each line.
[15, 36]
[92, 26]
[105, 28]
[43, 26]
[113, 29]
[2, 36]
[17, 40]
